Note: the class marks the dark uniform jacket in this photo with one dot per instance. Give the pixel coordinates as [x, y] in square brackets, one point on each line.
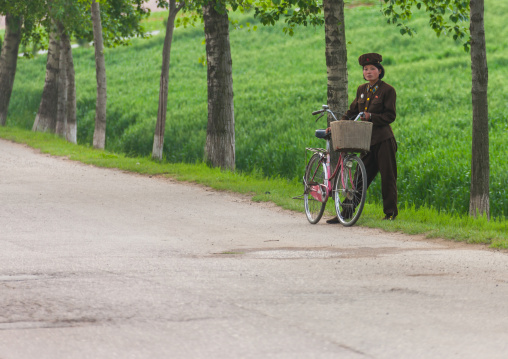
[380, 102]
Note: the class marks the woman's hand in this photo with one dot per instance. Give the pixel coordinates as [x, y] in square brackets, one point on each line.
[366, 116]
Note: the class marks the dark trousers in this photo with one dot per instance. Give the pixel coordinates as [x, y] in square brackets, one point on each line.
[381, 158]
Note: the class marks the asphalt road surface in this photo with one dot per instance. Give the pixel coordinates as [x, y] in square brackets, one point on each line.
[98, 263]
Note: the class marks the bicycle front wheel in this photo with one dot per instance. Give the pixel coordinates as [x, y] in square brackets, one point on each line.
[350, 190]
[315, 191]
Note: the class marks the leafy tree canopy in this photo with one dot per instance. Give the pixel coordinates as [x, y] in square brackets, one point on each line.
[121, 19]
[294, 12]
[449, 17]
[31, 11]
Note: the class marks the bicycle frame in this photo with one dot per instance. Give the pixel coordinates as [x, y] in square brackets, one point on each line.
[327, 190]
[316, 192]
[348, 188]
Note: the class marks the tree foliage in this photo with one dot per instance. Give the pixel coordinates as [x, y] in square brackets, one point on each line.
[32, 12]
[447, 17]
[121, 20]
[293, 12]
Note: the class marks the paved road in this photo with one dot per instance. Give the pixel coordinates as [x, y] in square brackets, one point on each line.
[97, 263]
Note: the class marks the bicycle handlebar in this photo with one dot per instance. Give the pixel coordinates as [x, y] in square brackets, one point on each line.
[327, 109]
[322, 111]
[359, 115]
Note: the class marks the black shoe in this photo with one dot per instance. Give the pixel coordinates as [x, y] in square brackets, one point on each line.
[333, 220]
[390, 217]
[346, 214]
[348, 209]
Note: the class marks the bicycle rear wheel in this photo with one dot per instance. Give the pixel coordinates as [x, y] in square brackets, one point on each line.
[315, 192]
[350, 190]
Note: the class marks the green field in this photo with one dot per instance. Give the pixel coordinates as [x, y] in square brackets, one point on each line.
[279, 80]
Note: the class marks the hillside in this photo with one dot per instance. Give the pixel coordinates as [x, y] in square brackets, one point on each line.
[279, 80]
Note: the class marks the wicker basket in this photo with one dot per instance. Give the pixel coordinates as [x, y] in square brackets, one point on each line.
[351, 136]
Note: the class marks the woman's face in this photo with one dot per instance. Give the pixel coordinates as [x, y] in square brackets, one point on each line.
[371, 73]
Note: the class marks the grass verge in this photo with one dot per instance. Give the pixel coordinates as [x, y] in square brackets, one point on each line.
[280, 191]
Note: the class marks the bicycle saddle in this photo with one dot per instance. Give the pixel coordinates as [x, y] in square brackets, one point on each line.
[322, 134]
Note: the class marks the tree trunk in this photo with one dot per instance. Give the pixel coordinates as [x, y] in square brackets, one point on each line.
[99, 135]
[220, 134]
[8, 62]
[158, 138]
[61, 118]
[479, 196]
[71, 128]
[45, 120]
[336, 61]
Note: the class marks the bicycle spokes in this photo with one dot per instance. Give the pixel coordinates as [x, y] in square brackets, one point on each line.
[350, 190]
[315, 190]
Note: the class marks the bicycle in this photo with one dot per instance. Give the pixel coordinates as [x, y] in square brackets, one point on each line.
[350, 184]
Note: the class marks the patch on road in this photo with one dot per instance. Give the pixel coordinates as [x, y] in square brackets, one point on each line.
[314, 253]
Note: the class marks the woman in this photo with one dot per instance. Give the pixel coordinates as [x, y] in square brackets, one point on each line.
[376, 99]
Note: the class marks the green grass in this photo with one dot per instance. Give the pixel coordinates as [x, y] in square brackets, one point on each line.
[279, 80]
[277, 190]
